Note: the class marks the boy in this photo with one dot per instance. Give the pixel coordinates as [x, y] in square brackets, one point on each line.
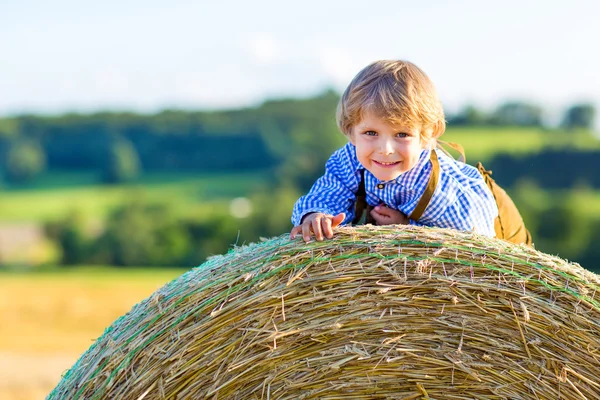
[392, 116]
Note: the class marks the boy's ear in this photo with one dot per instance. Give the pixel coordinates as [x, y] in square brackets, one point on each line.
[428, 140]
[351, 138]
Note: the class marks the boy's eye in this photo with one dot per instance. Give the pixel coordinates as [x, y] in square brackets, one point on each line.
[402, 134]
[371, 133]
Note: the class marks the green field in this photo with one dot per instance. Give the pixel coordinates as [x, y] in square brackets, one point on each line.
[60, 193]
[54, 194]
[482, 143]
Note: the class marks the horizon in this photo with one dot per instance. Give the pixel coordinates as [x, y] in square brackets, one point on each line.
[551, 123]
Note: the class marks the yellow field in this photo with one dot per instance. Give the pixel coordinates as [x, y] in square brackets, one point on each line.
[48, 320]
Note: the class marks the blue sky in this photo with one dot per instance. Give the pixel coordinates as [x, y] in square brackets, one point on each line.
[148, 55]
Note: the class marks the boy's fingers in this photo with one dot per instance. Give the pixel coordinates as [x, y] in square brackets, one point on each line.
[383, 210]
[316, 225]
[338, 219]
[319, 226]
[306, 232]
[379, 218]
[327, 230]
[295, 231]
[376, 214]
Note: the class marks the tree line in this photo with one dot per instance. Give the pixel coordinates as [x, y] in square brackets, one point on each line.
[521, 113]
[121, 146]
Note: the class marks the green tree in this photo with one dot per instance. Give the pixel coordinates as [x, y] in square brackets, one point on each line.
[517, 113]
[140, 233]
[470, 115]
[25, 161]
[271, 214]
[579, 116]
[9, 127]
[213, 235]
[590, 257]
[69, 233]
[563, 227]
[123, 162]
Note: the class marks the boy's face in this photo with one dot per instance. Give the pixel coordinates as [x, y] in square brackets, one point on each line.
[386, 150]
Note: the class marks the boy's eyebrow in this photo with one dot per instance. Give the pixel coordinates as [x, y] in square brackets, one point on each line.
[398, 129]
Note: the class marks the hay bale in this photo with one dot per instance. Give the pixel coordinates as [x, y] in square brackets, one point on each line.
[375, 313]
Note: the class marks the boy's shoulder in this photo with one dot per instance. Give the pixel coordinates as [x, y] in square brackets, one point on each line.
[345, 156]
[457, 169]
[344, 164]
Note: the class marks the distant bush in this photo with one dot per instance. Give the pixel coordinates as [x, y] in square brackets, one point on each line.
[25, 161]
[70, 235]
[580, 116]
[123, 163]
[140, 233]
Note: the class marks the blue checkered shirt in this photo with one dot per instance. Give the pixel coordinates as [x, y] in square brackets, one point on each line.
[461, 199]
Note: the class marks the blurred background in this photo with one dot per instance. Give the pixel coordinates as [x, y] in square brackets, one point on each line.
[138, 138]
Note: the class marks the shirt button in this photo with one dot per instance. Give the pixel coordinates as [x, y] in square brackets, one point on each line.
[380, 186]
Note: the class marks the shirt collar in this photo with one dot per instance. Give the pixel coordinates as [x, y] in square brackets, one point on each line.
[410, 178]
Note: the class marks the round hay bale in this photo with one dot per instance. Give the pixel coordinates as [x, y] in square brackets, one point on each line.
[377, 312]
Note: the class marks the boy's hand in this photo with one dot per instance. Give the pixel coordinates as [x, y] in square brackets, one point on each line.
[384, 215]
[318, 223]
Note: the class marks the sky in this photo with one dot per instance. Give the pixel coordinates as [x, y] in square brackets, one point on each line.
[144, 56]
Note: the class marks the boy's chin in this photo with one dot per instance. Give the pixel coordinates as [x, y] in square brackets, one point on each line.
[386, 177]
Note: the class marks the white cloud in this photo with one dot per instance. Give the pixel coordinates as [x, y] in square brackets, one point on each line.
[264, 48]
[110, 80]
[339, 65]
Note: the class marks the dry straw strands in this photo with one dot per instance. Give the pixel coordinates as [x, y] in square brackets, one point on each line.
[375, 313]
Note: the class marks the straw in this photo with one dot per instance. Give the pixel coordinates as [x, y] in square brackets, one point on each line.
[376, 313]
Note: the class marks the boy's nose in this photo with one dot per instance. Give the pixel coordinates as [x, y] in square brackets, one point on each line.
[387, 147]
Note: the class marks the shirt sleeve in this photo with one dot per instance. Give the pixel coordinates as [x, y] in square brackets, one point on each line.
[462, 202]
[332, 193]
[472, 212]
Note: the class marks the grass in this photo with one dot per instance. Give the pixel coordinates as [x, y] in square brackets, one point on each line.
[481, 144]
[54, 198]
[50, 317]
[585, 199]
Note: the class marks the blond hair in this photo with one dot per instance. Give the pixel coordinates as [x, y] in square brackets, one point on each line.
[396, 90]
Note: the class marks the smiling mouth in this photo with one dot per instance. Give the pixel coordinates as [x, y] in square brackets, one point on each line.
[386, 164]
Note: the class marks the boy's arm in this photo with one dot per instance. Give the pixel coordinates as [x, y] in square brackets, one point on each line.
[332, 193]
[470, 212]
[470, 217]
[462, 200]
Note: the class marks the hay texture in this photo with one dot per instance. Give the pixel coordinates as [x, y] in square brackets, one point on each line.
[375, 313]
